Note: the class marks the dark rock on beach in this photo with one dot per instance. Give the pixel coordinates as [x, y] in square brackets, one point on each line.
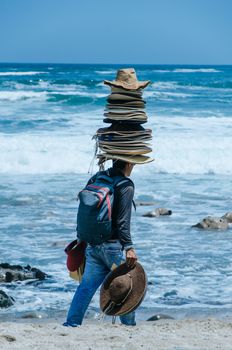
[212, 223]
[59, 244]
[9, 273]
[144, 203]
[160, 317]
[5, 300]
[158, 212]
[31, 315]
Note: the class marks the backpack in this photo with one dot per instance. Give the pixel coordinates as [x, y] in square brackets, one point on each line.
[94, 217]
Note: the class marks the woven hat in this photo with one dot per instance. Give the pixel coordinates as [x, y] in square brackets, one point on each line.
[123, 290]
[123, 103]
[117, 128]
[126, 149]
[138, 159]
[127, 79]
[122, 97]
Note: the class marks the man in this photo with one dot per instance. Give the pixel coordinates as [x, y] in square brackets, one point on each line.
[102, 258]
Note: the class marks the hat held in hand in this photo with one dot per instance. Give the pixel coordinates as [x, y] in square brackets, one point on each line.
[75, 255]
[127, 79]
[123, 290]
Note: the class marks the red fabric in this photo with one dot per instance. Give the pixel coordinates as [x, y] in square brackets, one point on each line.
[75, 254]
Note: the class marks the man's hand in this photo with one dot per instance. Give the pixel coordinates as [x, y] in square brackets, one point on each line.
[131, 257]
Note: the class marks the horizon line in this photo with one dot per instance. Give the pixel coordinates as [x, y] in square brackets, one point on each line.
[117, 64]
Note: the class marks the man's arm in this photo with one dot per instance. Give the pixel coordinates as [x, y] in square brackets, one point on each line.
[124, 200]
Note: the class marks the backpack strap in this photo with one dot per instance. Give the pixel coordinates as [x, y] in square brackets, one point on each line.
[119, 180]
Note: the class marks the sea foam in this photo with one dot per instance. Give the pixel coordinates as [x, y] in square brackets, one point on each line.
[180, 145]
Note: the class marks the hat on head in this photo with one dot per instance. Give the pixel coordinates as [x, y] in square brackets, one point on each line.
[123, 290]
[127, 79]
[134, 159]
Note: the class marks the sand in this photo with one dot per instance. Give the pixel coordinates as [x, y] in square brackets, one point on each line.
[184, 334]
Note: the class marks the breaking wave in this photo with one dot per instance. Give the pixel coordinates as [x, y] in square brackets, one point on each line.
[187, 70]
[22, 95]
[106, 72]
[20, 73]
[181, 146]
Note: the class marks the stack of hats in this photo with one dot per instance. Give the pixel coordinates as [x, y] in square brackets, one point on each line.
[126, 139]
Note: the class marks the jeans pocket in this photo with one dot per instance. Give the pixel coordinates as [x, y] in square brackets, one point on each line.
[113, 255]
[113, 248]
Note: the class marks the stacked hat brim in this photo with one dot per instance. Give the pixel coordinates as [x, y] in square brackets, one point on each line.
[125, 139]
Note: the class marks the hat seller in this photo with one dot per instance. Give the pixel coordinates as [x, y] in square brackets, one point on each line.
[105, 205]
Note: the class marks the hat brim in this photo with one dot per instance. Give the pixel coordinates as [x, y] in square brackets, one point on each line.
[125, 149]
[123, 103]
[133, 159]
[123, 97]
[124, 128]
[135, 86]
[139, 286]
[128, 121]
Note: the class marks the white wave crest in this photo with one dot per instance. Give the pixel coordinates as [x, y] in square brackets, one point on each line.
[21, 95]
[160, 85]
[79, 93]
[162, 71]
[43, 95]
[197, 70]
[20, 73]
[187, 70]
[105, 72]
[165, 95]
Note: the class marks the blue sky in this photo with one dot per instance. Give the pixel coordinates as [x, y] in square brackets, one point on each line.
[116, 31]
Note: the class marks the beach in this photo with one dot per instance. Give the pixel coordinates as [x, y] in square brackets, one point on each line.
[48, 115]
[184, 334]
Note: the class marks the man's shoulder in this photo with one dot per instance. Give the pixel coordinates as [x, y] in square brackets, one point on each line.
[121, 181]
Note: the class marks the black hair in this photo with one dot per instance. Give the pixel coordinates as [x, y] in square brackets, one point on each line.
[120, 164]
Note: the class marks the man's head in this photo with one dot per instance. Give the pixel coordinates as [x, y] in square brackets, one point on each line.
[125, 167]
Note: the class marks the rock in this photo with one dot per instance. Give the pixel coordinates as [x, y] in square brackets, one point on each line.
[31, 315]
[212, 223]
[144, 203]
[5, 300]
[158, 212]
[9, 273]
[59, 244]
[8, 337]
[228, 217]
[160, 317]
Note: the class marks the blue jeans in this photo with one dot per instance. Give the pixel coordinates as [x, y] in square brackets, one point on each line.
[99, 261]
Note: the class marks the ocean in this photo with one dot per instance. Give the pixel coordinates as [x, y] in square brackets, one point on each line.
[48, 115]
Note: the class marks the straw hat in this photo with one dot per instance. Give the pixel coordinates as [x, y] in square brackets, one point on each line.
[123, 290]
[123, 97]
[126, 149]
[134, 159]
[127, 79]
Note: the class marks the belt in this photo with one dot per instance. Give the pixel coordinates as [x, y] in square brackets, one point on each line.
[112, 241]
